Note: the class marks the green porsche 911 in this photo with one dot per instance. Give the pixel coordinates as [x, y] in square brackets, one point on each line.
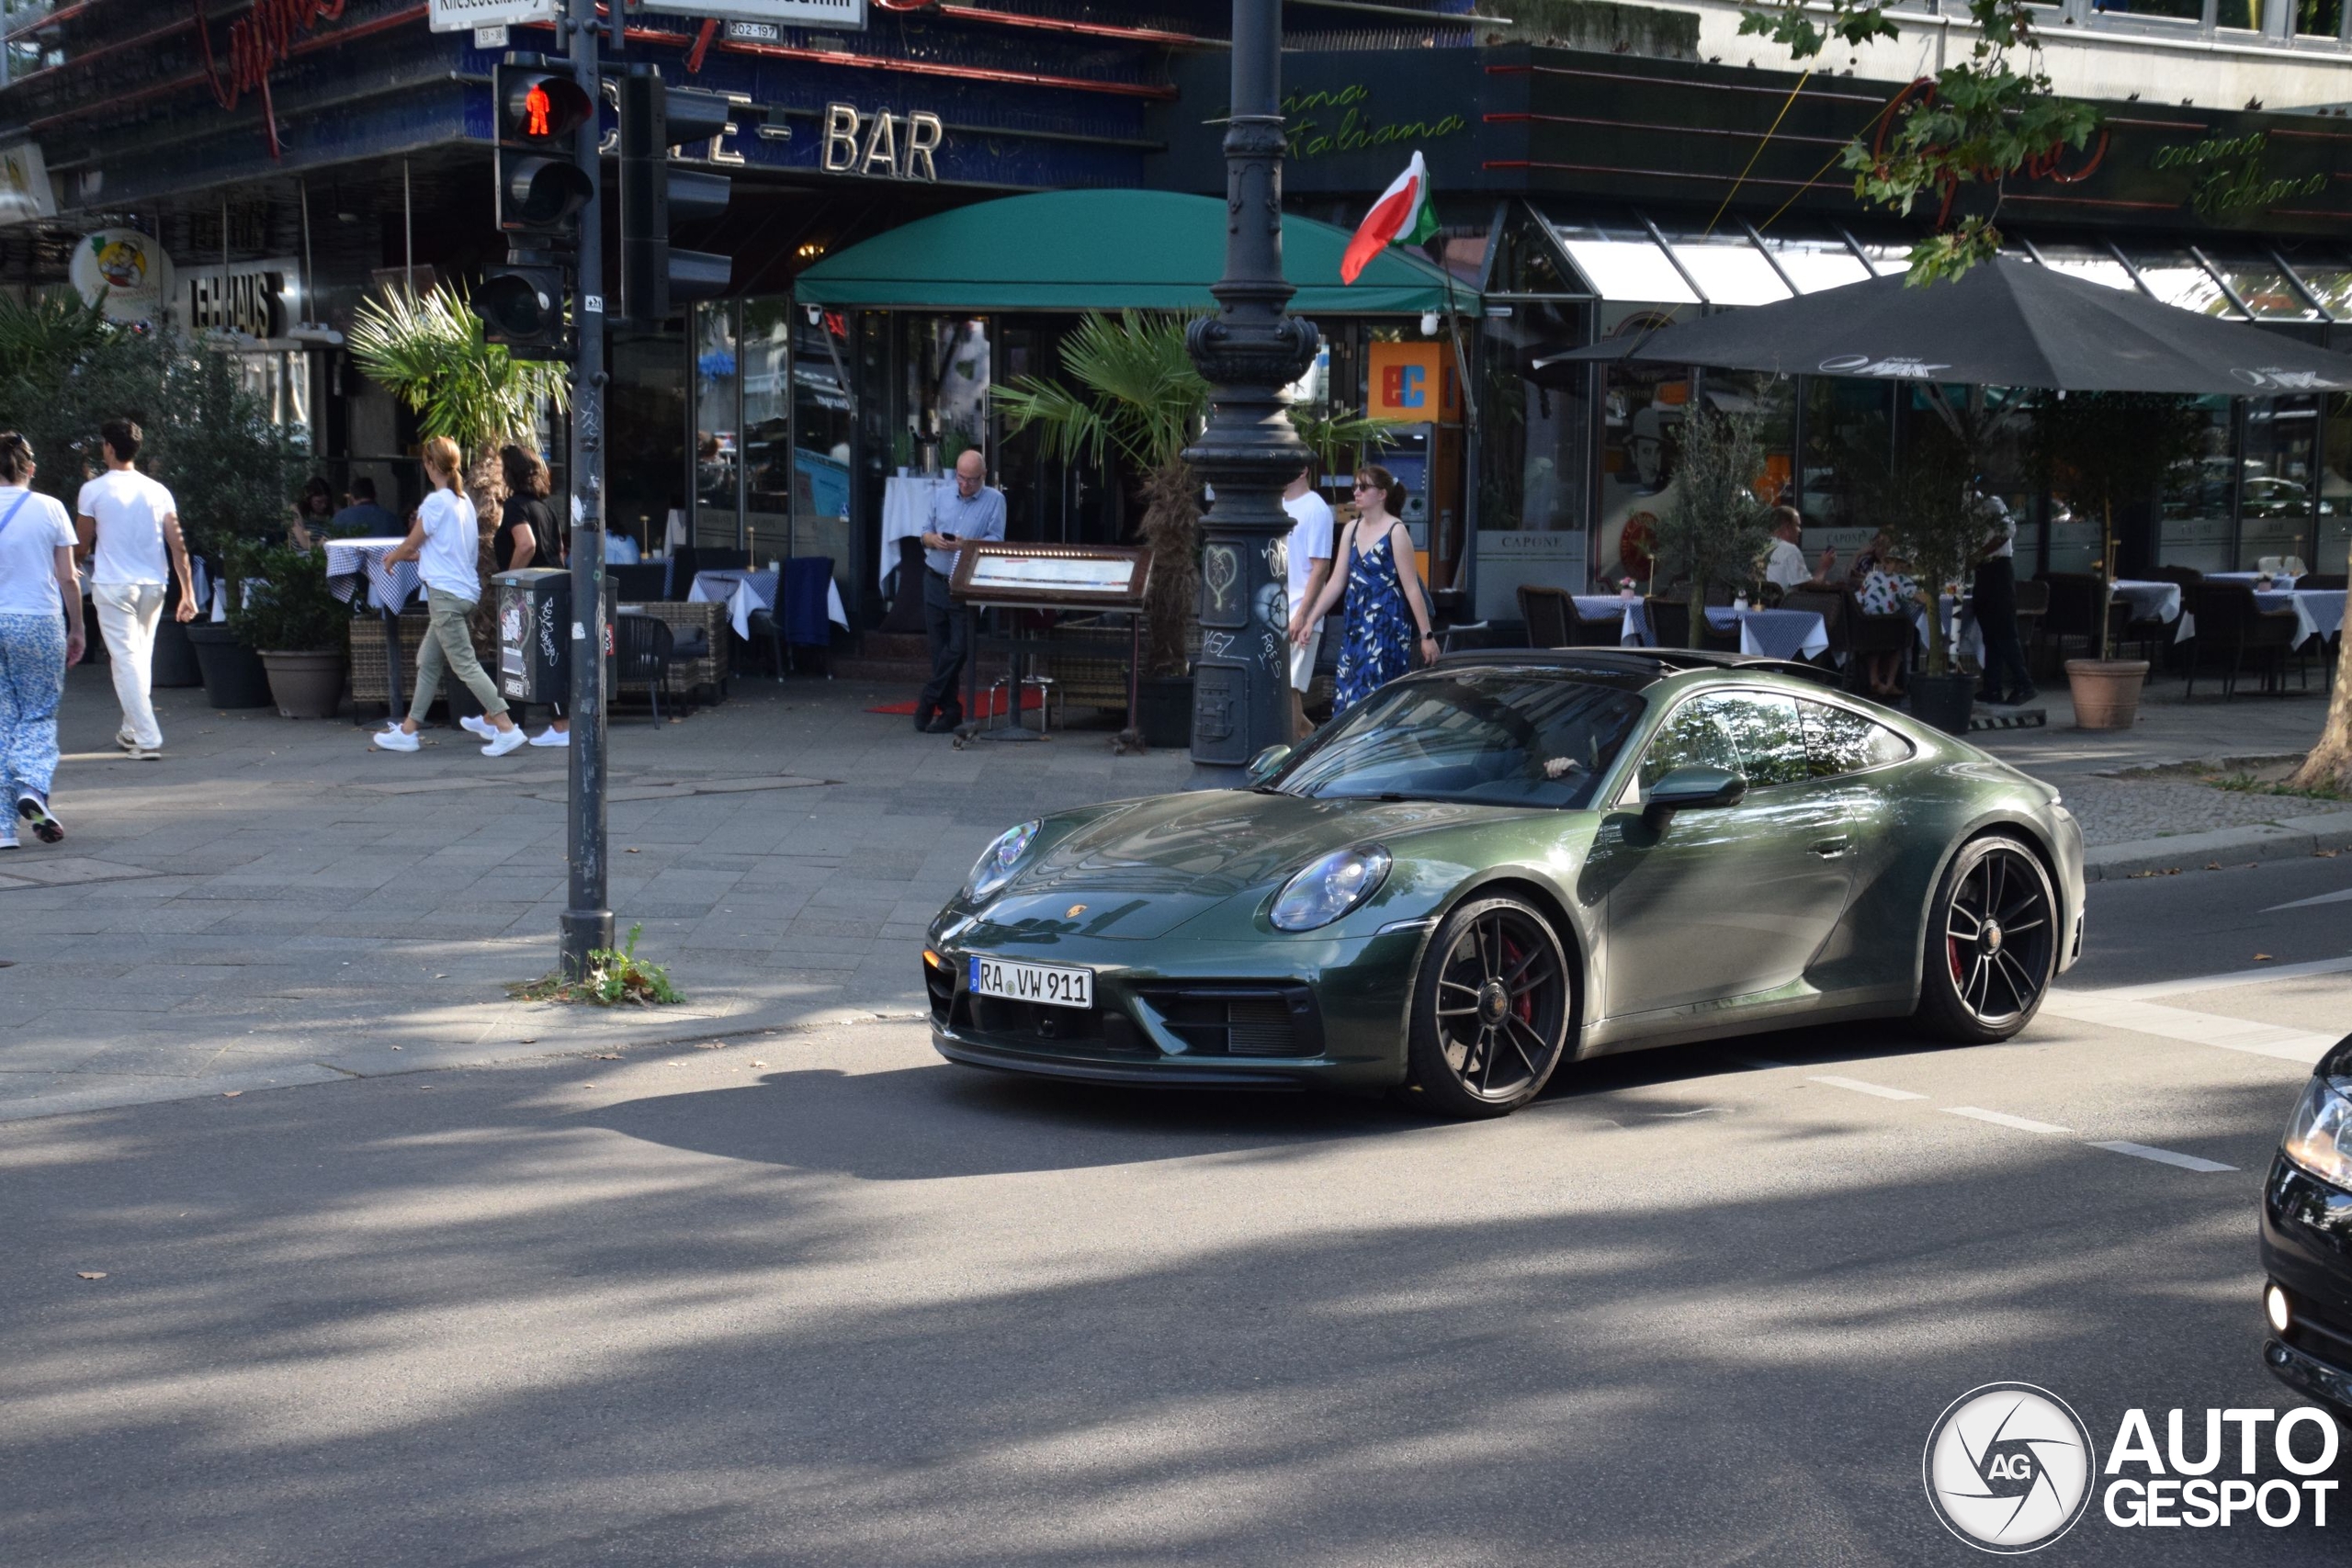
[1512, 857]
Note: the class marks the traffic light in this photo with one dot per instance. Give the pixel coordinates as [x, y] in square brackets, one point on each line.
[655, 279]
[541, 112]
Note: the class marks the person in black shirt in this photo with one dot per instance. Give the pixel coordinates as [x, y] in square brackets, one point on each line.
[526, 537]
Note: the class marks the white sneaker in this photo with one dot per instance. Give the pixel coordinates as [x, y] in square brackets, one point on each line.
[551, 736]
[481, 726]
[144, 753]
[128, 742]
[394, 739]
[505, 740]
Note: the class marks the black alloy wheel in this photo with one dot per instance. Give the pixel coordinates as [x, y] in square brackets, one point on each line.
[1992, 943]
[1490, 1012]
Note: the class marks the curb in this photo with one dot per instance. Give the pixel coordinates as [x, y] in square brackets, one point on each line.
[2293, 839]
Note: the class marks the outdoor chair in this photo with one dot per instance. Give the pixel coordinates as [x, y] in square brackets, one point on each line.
[2321, 579]
[646, 579]
[1830, 605]
[2187, 576]
[642, 653]
[2033, 603]
[2073, 611]
[1586, 632]
[1867, 635]
[799, 619]
[709, 560]
[1548, 613]
[2231, 625]
[1669, 621]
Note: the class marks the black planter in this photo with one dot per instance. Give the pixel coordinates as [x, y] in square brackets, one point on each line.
[1943, 701]
[175, 662]
[1166, 702]
[234, 676]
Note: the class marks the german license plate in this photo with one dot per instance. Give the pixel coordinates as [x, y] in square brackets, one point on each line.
[1045, 983]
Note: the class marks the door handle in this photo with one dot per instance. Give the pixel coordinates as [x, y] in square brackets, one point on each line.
[1830, 849]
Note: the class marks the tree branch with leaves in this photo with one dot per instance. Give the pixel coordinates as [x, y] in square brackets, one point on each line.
[1976, 123]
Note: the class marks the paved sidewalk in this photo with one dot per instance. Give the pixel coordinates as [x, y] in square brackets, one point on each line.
[276, 902]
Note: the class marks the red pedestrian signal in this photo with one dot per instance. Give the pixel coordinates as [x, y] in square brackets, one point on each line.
[535, 111]
[537, 106]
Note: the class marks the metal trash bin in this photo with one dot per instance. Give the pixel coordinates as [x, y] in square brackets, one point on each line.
[534, 634]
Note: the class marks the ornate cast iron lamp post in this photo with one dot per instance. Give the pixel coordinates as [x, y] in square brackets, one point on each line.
[1249, 451]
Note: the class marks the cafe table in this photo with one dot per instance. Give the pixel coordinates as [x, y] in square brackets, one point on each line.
[355, 563]
[906, 511]
[744, 592]
[1763, 634]
[2319, 612]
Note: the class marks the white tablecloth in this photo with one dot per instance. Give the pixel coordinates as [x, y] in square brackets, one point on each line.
[2248, 578]
[744, 592]
[2150, 601]
[906, 511]
[2319, 612]
[351, 561]
[1764, 634]
[1774, 634]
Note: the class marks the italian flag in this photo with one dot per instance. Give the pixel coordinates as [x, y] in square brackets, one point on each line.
[1401, 216]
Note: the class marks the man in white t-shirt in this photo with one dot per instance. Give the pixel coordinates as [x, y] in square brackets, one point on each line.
[1785, 561]
[127, 523]
[1310, 548]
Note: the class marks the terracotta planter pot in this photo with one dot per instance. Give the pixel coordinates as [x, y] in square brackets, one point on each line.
[2106, 692]
[305, 686]
[233, 677]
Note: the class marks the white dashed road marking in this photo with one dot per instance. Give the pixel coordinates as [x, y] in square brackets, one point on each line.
[2116, 1011]
[2337, 898]
[2003, 1119]
[2164, 1157]
[1858, 1087]
[2151, 992]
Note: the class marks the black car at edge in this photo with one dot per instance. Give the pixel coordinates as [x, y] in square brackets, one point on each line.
[2307, 1240]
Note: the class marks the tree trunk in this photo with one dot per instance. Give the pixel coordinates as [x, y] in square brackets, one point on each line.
[2106, 606]
[2329, 766]
[1698, 632]
[1172, 527]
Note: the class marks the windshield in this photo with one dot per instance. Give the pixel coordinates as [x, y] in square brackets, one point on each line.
[1501, 737]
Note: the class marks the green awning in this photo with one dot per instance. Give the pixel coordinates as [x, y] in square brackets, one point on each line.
[1108, 250]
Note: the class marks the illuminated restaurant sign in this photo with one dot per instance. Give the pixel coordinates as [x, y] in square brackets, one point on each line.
[887, 146]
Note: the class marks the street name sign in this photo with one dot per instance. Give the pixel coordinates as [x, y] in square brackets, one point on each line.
[846, 16]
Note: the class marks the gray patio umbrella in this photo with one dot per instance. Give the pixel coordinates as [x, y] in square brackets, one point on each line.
[2003, 323]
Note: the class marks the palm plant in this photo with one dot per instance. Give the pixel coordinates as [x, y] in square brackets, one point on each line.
[431, 352]
[1133, 390]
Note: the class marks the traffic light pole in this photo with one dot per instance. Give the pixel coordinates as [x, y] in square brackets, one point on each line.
[587, 922]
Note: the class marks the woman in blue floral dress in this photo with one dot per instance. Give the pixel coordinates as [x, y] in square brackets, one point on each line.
[1385, 605]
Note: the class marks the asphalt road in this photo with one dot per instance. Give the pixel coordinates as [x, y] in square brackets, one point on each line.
[825, 1299]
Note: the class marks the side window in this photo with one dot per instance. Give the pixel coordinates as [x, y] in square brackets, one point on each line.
[1748, 733]
[1770, 738]
[1693, 736]
[1842, 741]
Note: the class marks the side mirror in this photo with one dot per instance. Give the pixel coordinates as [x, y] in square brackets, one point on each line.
[1692, 789]
[1267, 763]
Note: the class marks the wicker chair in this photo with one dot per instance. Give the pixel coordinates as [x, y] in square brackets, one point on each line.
[699, 658]
[1548, 613]
[1830, 605]
[642, 651]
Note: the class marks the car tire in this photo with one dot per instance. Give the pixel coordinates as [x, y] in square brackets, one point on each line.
[1491, 1010]
[1990, 946]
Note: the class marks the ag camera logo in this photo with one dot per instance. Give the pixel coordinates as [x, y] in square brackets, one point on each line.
[2009, 1467]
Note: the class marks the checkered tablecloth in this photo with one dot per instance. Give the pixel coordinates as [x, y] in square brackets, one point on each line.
[351, 562]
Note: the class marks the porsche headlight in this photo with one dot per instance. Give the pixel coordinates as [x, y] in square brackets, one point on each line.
[1330, 887]
[2319, 1135]
[997, 865]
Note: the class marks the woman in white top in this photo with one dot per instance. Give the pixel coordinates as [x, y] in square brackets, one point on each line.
[40, 634]
[445, 543]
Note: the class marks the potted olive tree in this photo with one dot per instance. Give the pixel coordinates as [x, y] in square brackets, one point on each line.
[230, 470]
[1926, 502]
[1716, 528]
[2102, 449]
[299, 627]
